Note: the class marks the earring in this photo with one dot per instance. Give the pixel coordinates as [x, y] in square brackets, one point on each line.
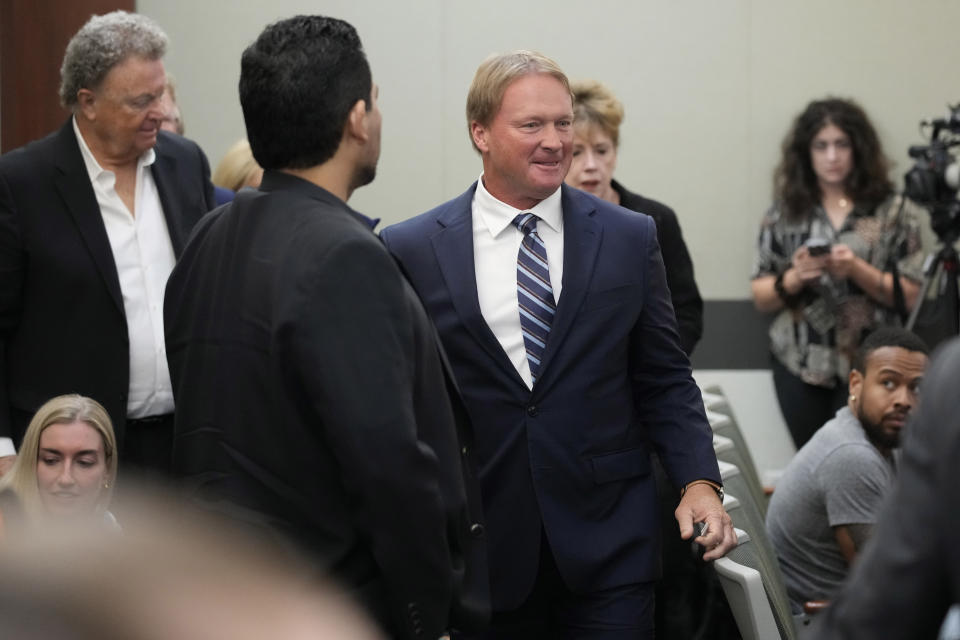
[853, 398]
[106, 485]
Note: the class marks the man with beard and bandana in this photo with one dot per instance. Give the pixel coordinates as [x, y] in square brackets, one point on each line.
[830, 494]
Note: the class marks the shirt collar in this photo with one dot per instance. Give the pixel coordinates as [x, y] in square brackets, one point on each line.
[279, 180]
[370, 222]
[497, 215]
[93, 167]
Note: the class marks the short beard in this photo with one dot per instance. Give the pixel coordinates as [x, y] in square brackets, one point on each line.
[876, 434]
[364, 175]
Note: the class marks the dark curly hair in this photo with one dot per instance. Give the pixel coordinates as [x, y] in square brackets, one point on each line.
[298, 83]
[795, 185]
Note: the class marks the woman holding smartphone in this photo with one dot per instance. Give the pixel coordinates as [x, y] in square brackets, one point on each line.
[824, 257]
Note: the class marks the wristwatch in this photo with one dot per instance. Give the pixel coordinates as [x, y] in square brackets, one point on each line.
[716, 487]
[789, 299]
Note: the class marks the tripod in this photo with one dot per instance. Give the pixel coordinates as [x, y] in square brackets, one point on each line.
[941, 315]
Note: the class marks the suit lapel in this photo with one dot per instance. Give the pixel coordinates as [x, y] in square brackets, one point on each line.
[581, 244]
[73, 184]
[164, 176]
[453, 246]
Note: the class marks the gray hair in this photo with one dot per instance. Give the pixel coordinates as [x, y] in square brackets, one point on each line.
[103, 43]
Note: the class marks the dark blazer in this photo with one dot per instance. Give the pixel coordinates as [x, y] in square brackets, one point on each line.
[908, 574]
[687, 303]
[62, 323]
[573, 454]
[312, 397]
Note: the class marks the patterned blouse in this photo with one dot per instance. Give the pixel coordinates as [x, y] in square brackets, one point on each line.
[816, 338]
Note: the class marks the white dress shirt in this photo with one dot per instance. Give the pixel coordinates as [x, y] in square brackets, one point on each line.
[144, 257]
[496, 243]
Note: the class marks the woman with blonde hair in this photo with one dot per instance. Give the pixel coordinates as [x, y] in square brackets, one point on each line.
[67, 463]
[238, 168]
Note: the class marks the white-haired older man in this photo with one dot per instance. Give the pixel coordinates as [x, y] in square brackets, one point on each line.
[92, 218]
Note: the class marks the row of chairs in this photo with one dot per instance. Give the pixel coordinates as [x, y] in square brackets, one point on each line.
[750, 573]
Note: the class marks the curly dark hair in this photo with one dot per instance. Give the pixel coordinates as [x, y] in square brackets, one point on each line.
[795, 185]
[298, 83]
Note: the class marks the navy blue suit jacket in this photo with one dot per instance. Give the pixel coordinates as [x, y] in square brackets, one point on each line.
[572, 456]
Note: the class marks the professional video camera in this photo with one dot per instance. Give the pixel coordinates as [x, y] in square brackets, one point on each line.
[935, 176]
[933, 182]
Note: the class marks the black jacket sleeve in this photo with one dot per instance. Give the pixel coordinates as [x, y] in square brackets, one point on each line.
[684, 294]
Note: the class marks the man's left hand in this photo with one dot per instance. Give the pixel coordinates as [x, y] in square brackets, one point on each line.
[700, 503]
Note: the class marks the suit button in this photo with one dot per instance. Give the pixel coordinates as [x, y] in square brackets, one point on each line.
[476, 530]
[532, 411]
[463, 451]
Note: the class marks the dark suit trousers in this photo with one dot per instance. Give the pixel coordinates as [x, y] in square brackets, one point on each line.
[147, 447]
[553, 612]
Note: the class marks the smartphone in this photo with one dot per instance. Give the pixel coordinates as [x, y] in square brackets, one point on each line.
[817, 246]
[699, 529]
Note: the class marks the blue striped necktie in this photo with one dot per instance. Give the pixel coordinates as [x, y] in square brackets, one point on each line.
[534, 293]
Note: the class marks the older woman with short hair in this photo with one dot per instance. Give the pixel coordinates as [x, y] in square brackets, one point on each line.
[597, 118]
[67, 464]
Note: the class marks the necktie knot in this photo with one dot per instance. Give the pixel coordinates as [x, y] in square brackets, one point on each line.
[526, 222]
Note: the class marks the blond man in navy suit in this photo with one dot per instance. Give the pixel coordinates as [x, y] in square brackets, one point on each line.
[564, 423]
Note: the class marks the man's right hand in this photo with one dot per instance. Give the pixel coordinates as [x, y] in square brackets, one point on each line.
[6, 463]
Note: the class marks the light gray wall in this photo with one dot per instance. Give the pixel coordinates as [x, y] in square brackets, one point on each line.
[710, 87]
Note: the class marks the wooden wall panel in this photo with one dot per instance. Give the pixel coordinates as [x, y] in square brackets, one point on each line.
[33, 37]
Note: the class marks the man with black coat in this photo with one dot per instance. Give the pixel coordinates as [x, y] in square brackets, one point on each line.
[314, 402]
[92, 218]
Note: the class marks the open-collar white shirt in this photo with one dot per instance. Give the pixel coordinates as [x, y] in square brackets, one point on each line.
[144, 258]
[496, 243]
